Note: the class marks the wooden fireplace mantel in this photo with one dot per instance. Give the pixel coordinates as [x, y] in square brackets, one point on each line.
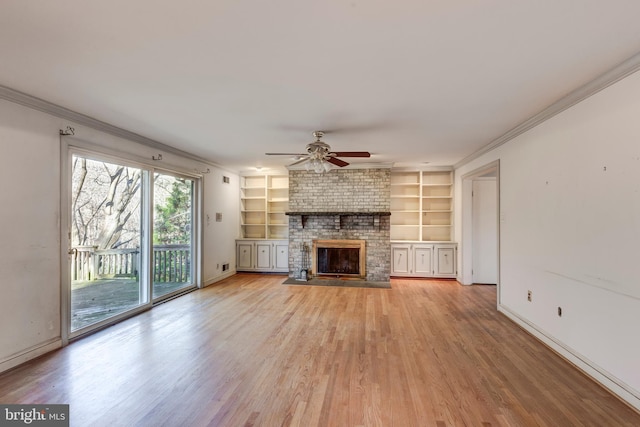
[338, 216]
[339, 213]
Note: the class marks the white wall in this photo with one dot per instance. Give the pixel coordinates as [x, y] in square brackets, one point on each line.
[29, 232]
[219, 245]
[30, 237]
[570, 233]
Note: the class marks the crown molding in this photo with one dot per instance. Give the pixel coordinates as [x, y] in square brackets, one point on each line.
[39, 104]
[619, 72]
[422, 168]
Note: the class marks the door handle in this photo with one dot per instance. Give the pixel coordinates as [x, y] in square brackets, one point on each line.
[74, 252]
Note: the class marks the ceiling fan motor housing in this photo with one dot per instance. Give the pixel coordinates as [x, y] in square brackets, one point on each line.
[318, 148]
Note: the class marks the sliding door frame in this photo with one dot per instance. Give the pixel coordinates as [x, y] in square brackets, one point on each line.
[195, 232]
[74, 146]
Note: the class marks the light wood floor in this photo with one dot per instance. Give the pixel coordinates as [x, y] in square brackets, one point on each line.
[252, 352]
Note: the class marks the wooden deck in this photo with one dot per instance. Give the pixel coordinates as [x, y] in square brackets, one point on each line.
[96, 300]
[252, 352]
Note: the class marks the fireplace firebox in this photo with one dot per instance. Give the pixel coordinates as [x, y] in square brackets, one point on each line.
[339, 258]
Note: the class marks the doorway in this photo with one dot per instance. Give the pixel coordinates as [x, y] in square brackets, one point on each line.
[129, 238]
[480, 226]
[484, 230]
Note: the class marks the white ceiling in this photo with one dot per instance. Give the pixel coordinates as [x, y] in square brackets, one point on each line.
[411, 81]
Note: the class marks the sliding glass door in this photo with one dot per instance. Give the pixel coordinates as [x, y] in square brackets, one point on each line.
[106, 241]
[172, 262]
[131, 239]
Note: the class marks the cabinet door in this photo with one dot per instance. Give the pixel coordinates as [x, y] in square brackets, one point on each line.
[281, 256]
[422, 260]
[244, 261]
[263, 256]
[445, 261]
[401, 263]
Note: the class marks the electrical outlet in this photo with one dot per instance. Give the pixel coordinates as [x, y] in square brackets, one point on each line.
[225, 267]
[529, 294]
[560, 311]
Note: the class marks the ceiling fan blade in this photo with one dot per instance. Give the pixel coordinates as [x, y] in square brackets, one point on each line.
[336, 161]
[299, 161]
[351, 153]
[284, 154]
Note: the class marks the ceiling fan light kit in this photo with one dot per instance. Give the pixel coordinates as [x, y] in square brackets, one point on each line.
[318, 166]
[319, 157]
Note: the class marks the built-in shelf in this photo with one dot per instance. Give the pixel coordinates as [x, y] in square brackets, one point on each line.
[264, 200]
[421, 205]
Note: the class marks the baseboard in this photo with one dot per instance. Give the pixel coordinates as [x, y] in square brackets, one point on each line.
[31, 353]
[616, 386]
[223, 276]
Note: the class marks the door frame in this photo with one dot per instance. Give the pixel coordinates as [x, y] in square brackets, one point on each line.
[467, 221]
[70, 145]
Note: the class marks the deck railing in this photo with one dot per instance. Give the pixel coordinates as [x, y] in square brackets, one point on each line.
[171, 263]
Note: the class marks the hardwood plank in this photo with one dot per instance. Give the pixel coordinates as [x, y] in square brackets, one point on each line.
[252, 352]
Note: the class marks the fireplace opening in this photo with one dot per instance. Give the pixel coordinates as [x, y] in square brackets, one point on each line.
[338, 258]
[339, 261]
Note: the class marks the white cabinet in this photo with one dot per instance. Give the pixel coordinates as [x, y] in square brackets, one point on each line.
[445, 260]
[400, 263]
[244, 255]
[264, 225]
[421, 223]
[281, 256]
[262, 255]
[423, 259]
[264, 201]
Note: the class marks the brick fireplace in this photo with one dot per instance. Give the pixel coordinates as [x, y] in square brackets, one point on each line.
[345, 205]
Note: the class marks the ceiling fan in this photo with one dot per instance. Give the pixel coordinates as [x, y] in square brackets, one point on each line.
[319, 154]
